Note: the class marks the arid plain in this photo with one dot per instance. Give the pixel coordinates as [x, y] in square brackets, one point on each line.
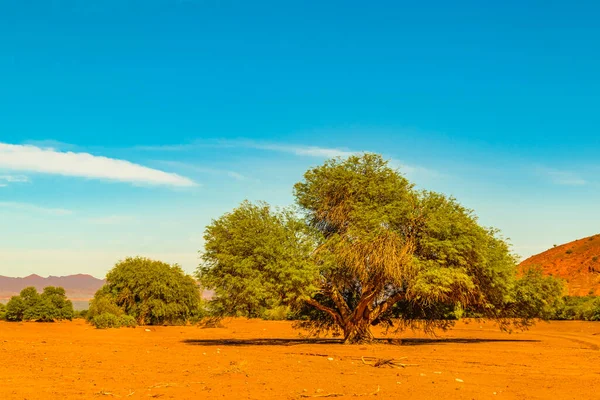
[252, 359]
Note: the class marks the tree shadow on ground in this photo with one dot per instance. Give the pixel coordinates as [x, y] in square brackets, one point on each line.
[328, 341]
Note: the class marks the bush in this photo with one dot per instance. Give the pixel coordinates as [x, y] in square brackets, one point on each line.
[106, 320]
[279, 313]
[103, 303]
[127, 321]
[2, 311]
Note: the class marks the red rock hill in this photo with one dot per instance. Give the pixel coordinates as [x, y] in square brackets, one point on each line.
[578, 263]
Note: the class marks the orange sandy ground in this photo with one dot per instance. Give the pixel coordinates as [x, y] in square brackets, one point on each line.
[268, 360]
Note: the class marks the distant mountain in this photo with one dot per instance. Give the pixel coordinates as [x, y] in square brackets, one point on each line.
[578, 263]
[79, 287]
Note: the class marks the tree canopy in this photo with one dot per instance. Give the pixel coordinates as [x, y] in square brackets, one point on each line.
[255, 259]
[153, 292]
[51, 305]
[370, 249]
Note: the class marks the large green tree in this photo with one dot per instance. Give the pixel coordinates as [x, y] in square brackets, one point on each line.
[153, 292]
[383, 253]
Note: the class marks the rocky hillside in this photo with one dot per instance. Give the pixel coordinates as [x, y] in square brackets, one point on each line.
[78, 287]
[578, 263]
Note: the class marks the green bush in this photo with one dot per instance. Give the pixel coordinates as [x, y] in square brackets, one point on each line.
[103, 303]
[585, 308]
[106, 320]
[2, 312]
[279, 313]
[127, 321]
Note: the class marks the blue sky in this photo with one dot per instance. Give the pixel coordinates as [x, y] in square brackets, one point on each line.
[126, 126]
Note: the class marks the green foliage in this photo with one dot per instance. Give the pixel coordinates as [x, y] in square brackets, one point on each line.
[107, 320]
[51, 305]
[585, 308]
[152, 292]
[127, 321]
[103, 303]
[2, 311]
[570, 251]
[256, 259]
[15, 309]
[279, 313]
[371, 250]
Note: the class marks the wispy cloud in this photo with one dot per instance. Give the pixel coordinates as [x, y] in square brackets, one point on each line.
[49, 161]
[168, 147]
[50, 144]
[204, 170]
[7, 179]
[32, 208]
[561, 177]
[299, 150]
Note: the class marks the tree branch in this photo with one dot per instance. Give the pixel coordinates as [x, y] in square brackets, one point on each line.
[339, 301]
[336, 316]
[383, 307]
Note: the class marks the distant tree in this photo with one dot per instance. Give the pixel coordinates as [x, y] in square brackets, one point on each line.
[257, 259]
[153, 292]
[51, 305]
[55, 298]
[15, 309]
[2, 311]
[385, 254]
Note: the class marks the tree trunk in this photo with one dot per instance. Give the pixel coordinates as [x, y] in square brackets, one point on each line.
[357, 333]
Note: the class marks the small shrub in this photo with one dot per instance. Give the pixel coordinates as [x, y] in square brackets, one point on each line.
[279, 313]
[569, 251]
[127, 321]
[103, 304]
[595, 259]
[106, 320]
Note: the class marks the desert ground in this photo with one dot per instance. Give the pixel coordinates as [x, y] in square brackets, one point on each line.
[250, 359]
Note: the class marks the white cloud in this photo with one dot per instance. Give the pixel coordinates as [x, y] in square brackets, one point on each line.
[561, 177]
[6, 179]
[32, 208]
[51, 144]
[300, 150]
[311, 151]
[49, 161]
